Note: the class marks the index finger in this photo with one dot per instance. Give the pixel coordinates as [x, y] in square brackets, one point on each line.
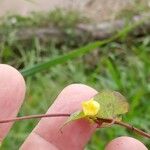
[75, 135]
[12, 91]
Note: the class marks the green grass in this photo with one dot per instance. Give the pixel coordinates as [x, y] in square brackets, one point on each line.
[57, 17]
[136, 8]
[122, 66]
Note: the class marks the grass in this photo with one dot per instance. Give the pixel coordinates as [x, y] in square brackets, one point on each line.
[57, 17]
[136, 8]
[122, 66]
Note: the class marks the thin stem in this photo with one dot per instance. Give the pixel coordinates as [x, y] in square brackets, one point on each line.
[99, 121]
[126, 125]
[33, 117]
[138, 131]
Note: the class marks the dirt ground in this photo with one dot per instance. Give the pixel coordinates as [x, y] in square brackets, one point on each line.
[95, 9]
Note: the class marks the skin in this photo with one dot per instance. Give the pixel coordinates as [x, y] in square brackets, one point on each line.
[47, 134]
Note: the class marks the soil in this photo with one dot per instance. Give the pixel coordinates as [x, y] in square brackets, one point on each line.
[98, 10]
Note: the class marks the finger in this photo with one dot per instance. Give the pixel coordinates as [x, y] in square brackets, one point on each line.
[75, 135]
[12, 91]
[125, 143]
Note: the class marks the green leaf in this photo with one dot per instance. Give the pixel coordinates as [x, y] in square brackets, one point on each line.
[112, 106]
[77, 52]
[63, 58]
[75, 116]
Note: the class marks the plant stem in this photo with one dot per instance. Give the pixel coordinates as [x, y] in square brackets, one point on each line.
[126, 125]
[33, 117]
[99, 121]
[138, 131]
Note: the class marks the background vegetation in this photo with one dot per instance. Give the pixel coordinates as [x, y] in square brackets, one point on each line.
[121, 65]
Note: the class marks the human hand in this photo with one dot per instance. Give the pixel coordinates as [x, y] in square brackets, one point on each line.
[47, 134]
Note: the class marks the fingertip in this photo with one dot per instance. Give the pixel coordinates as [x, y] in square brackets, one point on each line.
[12, 92]
[70, 97]
[8, 72]
[125, 143]
[77, 87]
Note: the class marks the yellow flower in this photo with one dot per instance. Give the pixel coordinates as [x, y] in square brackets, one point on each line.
[91, 107]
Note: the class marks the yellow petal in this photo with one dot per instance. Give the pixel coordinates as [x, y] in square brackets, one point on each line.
[91, 107]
